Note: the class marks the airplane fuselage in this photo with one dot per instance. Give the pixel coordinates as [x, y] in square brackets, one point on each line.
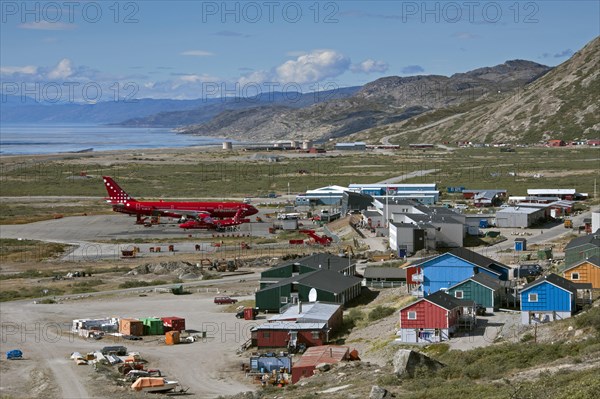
[175, 209]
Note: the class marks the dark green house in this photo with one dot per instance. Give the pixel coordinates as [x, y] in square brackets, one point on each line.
[581, 248]
[329, 285]
[484, 290]
[320, 261]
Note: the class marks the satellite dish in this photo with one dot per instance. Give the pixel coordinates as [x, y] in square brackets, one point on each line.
[312, 295]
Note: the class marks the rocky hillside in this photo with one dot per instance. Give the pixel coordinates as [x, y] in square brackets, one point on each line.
[383, 102]
[563, 104]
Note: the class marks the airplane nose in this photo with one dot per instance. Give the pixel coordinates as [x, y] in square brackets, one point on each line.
[251, 210]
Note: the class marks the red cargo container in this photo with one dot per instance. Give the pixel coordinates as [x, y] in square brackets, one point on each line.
[173, 323]
[250, 313]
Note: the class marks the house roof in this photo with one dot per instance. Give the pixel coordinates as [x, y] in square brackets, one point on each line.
[483, 279]
[478, 259]
[325, 280]
[551, 191]
[594, 260]
[324, 260]
[593, 239]
[517, 209]
[289, 325]
[322, 354]
[384, 272]
[446, 301]
[311, 312]
[553, 279]
[419, 262]
[443, 300]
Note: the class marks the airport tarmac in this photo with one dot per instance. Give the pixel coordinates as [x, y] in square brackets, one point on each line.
[90, 236]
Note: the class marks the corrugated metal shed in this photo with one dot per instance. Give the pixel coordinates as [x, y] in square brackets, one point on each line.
[311, 312]
[316, 355]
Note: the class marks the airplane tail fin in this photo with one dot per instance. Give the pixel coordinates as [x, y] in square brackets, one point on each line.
[116, 195]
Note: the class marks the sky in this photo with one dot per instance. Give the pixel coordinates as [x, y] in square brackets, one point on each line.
[104, 50]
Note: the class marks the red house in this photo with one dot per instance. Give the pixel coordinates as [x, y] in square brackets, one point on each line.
[435, 318]
[283, 334]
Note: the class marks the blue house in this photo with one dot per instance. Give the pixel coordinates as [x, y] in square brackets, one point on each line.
[449, 269]
[548, 298]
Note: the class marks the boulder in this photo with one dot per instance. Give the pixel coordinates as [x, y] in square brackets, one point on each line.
[323, 367]
[378, 392]
[406, 362]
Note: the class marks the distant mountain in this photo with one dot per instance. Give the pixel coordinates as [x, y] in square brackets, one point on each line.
[18, 110]
[149, 112]
[206, 112]
[563, 104]
[382, 102]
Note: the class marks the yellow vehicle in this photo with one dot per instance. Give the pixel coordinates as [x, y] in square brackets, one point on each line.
[568, 224]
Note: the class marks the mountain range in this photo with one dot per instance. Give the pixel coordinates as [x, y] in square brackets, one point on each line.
[515, 101]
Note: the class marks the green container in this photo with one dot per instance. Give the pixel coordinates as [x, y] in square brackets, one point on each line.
[153, 326]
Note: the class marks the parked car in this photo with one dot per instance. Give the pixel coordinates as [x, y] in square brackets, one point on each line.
[224, 300]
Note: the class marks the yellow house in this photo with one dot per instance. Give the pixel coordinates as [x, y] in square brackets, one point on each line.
[585, 271]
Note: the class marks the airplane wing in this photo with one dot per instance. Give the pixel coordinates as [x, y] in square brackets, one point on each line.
[182, 212]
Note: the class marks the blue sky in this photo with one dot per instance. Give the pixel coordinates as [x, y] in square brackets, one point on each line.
[186, 49]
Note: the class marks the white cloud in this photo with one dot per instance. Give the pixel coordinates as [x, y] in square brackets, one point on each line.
[47, 25]
[312, 67]
[62, 70]
[26, 70]
[197, 53]
[197, 78]
[370, 66]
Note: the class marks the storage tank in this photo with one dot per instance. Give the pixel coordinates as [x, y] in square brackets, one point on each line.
[307, 144]
[227, 145]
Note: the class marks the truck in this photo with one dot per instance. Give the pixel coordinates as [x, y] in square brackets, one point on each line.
[568, 223]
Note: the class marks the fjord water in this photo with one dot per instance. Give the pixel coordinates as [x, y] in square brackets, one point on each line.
[46, 139]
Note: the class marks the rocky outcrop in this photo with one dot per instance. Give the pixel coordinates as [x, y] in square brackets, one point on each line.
[406, 362]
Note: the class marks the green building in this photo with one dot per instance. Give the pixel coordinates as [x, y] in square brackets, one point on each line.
[484, 290]
[582, 248]
[330, 286]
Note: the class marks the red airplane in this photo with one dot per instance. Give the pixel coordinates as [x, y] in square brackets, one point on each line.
[208, 223]
[124, 203]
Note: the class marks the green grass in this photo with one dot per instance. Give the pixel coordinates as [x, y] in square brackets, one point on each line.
[222, 178]
[14, 250]
[136, 284]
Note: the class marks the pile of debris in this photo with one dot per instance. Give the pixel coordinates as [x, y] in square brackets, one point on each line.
[183, 270]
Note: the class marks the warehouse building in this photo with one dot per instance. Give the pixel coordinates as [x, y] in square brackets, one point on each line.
[522, 217]
[426, 194]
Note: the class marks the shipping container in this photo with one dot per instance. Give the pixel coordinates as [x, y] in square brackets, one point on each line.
[172, 338]
[153, 326]
[173, 323]
[131, 327]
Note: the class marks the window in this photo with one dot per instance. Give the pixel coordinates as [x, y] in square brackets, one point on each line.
[315, 335]
[458, 294]
[284, 299]
[412, 315]
[533, 297]
[266, 334]
[574, 276]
